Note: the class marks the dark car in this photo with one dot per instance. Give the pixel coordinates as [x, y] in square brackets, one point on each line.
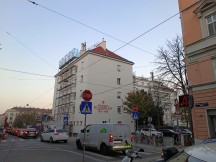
[171, 133]
[30, 132]
[21, 133]
[1, 132]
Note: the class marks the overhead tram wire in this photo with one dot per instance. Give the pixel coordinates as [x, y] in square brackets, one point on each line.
[137, 38]
[17, 71]
[28, 48]
[126, 43]
[67, 17]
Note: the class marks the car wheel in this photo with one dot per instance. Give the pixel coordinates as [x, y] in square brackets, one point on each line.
[41, 139]
[103, 149]
[78, 144]
[51, 140]
[65, 141]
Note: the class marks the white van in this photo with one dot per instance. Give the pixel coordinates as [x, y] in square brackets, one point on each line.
[106, 137]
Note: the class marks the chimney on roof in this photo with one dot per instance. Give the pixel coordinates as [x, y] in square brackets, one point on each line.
[83, 48]
[152, 76]
[102, 44]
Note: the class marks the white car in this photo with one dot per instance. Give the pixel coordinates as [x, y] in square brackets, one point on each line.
[197, 153]
[150, 132]
[54, 135]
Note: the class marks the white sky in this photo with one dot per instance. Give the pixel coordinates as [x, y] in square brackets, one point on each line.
[34, 39]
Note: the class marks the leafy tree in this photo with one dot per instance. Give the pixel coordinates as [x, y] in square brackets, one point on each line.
[144, 102]
[24, 119]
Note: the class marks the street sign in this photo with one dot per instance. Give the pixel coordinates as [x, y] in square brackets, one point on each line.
[65, 119]
[135, 108]
[135, 115]
[86, 107]
[87, 95]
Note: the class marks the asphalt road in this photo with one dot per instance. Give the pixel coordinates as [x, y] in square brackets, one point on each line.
[15, 149]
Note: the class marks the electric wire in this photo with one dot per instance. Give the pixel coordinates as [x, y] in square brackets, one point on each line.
[24, 45]
[67, 17]
[17, 71]
[126, 43]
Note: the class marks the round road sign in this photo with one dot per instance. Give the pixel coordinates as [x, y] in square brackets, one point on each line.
[135, 108]
[87, 95]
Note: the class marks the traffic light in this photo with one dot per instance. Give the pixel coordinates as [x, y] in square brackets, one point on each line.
[186, 101]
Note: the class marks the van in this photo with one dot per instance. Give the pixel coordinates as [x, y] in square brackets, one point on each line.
[105, 137]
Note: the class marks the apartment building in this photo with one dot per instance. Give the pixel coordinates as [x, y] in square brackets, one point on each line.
[12, 113]
[107, 75]
[162, 95]
[198, 19]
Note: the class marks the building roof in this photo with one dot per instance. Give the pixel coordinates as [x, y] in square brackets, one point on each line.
[101, 51]
[31, 109]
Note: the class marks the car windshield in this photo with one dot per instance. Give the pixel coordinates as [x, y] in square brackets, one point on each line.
[184, 157]
[153, 129]
[61, 131]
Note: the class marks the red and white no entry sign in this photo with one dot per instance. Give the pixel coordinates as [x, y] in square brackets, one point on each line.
[87, 95]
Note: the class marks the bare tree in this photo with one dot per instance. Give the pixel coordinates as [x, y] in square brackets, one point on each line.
[172, 69]
[171, 65]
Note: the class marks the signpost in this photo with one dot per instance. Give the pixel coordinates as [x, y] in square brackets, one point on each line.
[85, 108]
[135, 114]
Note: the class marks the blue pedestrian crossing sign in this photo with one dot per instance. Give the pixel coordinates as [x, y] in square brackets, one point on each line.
[65, 117]
[86, 107]
[135, 115]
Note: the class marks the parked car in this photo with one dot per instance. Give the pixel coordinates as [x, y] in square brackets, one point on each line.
[171, 133]
[106, 137]
[197, 153]
[150, 132]
[185, 131]
[21, 133]
[14, 131]
[54, 135]
[30, 132]
[1, 132]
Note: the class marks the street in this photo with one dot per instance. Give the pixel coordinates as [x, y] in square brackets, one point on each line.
[15, 149]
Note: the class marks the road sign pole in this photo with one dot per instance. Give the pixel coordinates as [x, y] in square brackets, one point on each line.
[84, 139]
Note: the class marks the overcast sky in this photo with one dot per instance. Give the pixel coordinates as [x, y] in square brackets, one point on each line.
[34, 38]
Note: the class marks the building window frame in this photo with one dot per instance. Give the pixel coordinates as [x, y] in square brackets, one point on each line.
[211, 23]
[119, 110]
[119, 68]
[118, 81]
[119, 95]
[214, 68]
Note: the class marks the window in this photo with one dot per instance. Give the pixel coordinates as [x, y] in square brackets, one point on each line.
[118, 68]
[104, 121]
[214, 67]
[211, 21]
[118, 81]
[119, 109]
[82, 65]
[118, 94]
[80, 123]
[81, 79]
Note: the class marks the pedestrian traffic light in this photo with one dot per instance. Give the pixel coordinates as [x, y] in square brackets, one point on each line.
[186, 101]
